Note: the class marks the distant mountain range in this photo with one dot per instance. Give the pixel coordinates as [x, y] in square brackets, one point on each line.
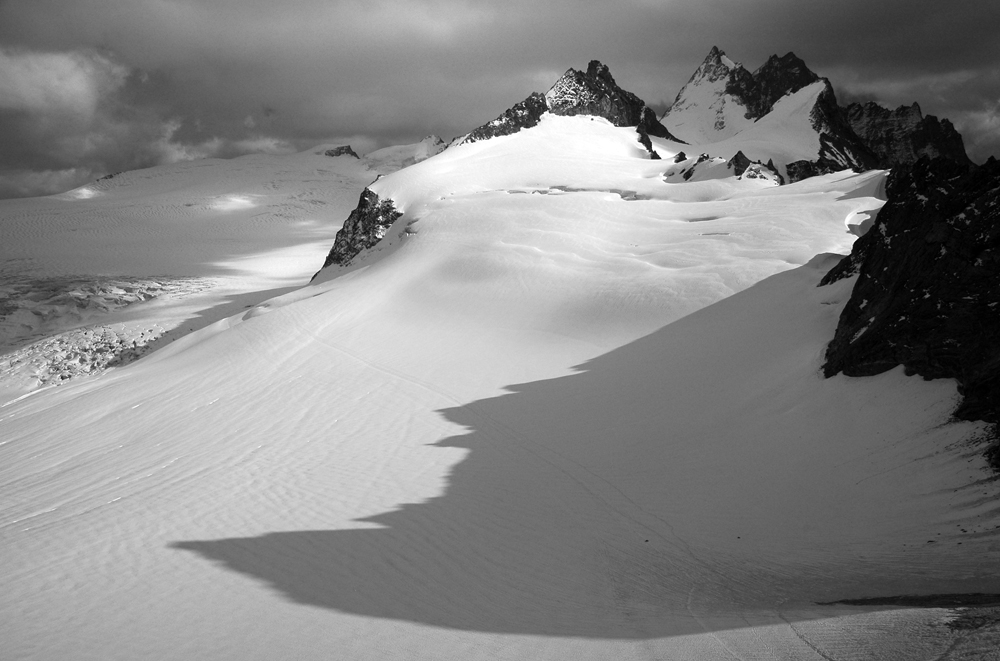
[783, 113]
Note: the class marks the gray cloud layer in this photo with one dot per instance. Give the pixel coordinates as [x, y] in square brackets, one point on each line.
[95, 86]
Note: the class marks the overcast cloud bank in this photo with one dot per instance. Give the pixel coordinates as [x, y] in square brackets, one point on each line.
[99, 86]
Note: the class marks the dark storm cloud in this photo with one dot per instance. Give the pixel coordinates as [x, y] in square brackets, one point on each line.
[101, 85]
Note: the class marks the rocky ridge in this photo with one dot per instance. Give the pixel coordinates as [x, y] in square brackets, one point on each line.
[521, 115]
[903, 135]
[592, 92]
[926, 295]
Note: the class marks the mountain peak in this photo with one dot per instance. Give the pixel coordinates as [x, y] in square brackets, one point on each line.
[716, 66]
[788, 62]
[600, 71]
[593, 92]
[596, 93]
[777, 77]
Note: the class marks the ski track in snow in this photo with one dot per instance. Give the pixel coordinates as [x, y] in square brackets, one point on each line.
[585, 422]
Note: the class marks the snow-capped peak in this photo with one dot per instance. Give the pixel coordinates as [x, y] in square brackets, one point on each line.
[782, 111]
[706, 110]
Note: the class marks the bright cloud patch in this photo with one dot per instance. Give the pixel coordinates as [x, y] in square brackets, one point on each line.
[56, 82]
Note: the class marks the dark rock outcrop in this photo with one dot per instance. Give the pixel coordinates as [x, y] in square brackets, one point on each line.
[903, 135]
[522, 115]
[739, 162]
[928, 289]
[744, 168]
[647, 143]
[365, 227]
[345, 150]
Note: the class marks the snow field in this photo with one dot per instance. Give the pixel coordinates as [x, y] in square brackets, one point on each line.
[562, 423]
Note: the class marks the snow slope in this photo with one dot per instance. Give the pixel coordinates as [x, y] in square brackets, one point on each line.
[553, 416]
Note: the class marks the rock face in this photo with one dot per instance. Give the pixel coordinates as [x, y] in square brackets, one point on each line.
[928, 289]
[903, 135]
[593, 92]
[739, 163]
[365, 227]
[345, 150]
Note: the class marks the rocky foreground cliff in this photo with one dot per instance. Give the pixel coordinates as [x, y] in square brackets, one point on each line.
[928, 290]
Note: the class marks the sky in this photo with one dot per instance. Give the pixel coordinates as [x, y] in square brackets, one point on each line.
[91, 87]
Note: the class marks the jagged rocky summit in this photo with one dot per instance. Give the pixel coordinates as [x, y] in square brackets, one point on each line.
[928, 290]
[593, 92]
